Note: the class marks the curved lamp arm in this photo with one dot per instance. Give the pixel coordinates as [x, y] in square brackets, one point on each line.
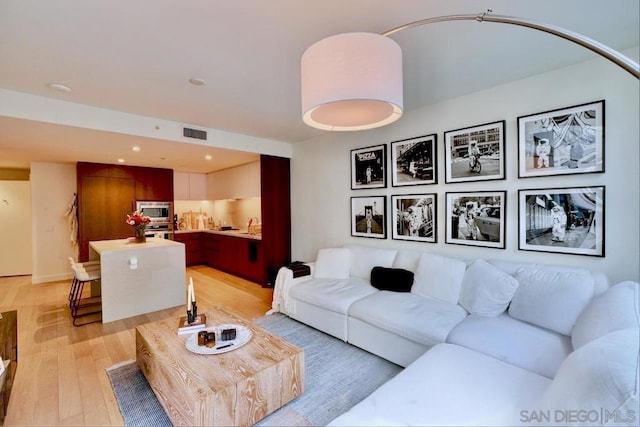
[614, 56]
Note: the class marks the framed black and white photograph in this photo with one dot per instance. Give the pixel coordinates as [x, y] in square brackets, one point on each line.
[561, 142]
[368, 217]
[476, 218]
[562, 220]
[368, 167]
[413, 161]
[475, 153]
[414, 217]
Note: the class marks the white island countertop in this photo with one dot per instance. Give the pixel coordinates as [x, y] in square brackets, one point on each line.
[138, 278]
[101, 246]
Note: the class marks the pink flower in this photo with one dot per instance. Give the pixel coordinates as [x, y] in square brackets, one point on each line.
[138, 219]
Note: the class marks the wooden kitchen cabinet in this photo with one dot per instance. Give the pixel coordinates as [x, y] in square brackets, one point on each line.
[153, 184]
[107, 193]
[211, 249]
[193, 247]
[276, 215]
[235, 255]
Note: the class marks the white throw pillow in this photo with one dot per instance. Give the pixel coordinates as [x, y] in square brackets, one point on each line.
[551, 299]
[332, 263]
[599, 377]
[363, 259]
[439, 277]
[486, 290]
[617, 308]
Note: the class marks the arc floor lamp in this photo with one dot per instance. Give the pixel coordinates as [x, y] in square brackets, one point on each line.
[353, 81]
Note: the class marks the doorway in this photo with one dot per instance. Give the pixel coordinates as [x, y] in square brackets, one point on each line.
[15, 228]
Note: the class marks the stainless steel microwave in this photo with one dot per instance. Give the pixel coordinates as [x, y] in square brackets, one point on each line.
[159, 212]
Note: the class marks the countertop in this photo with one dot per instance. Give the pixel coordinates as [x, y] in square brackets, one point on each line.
[129, 244]
[233, 233]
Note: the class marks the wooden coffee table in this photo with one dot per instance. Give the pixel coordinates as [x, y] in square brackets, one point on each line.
[239, 387]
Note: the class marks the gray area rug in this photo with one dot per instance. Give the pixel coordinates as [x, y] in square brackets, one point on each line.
[337, 376]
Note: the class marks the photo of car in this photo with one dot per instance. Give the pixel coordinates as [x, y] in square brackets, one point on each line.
[488, 223]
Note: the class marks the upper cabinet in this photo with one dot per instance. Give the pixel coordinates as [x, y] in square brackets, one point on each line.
[189, 186]
[107, 193]
[240, 182]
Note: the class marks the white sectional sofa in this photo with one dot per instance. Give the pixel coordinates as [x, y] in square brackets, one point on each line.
[483, 342]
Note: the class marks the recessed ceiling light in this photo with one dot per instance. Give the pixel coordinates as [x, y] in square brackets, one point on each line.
[120, 160]
[197, 82]
[59, 87]
[135, 148]
[208, 157]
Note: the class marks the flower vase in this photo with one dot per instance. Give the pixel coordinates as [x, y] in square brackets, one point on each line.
[140, 237]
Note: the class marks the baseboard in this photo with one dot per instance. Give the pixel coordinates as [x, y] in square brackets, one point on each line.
[51, 278]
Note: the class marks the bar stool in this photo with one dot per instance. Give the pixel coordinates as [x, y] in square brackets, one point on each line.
[83, 306]
[88, 266]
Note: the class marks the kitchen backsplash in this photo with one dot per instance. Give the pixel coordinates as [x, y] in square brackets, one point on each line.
[233, 213]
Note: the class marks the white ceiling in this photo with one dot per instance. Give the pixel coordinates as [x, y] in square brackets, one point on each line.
[137, 57]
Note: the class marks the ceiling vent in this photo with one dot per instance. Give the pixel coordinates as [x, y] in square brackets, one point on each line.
[194, 133]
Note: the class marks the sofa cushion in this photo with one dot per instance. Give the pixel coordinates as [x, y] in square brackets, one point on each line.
[407, 259]
[449, 385]
[363, 259]
[391, 279]
[332, 294]
[439, 277]
[600, 376]
[615, 309]
[423, 320]
[551, 299]
[333, 263]
[519, 343]
[486, 290]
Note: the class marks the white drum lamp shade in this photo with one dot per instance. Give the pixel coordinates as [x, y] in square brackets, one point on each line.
[352, 81]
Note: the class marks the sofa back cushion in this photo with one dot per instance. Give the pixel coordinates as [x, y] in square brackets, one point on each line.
[407, 259]
[332, 263]
[486, 290]
[601, 281]
[363, 259]
[617, 308]
[551, 299]
[439, 277]
[600, 376]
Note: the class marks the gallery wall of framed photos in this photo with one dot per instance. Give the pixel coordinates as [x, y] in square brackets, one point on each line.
[322, 173]
[568, 140]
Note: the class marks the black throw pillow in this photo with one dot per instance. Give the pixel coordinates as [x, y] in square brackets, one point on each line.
[391, 279]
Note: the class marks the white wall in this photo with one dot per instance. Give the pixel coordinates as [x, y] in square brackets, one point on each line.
[52, 188]
[320, 169]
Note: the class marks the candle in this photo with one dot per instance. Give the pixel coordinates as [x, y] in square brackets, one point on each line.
[189, 298]
[193, 290]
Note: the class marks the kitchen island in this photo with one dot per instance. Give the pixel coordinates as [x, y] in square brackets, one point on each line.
[139, 278]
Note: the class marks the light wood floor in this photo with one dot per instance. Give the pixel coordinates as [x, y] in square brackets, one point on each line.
[61, 377]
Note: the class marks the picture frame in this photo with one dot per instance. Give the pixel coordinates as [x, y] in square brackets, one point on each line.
[414, 161]
[415, 217]
[565, 141]
[562, 220]
[369, 217]
[487, 144]
[476, 218]
[368, 167]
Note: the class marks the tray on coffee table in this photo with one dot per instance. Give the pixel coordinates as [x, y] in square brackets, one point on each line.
[243, 335]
